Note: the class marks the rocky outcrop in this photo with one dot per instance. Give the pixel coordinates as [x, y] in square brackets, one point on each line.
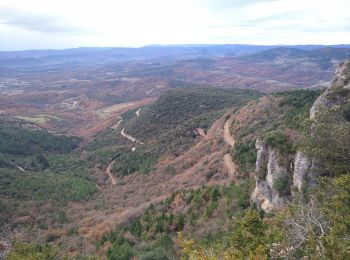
[302, 166]
[337, 94]
[278, 177]
[342, 75]
[300, 171]
[268, 172]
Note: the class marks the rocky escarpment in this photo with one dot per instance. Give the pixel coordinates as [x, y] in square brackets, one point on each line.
[337, 94]
[279, 178]
[303, 175]
[269, 171]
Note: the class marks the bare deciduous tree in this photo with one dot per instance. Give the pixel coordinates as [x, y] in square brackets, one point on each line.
[304, 225]
[5, 244]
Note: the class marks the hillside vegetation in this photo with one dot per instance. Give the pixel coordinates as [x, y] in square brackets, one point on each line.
[221, 219]
[167, 128]
[280, 119]
[308, 173]
[220, 223]
[199, 213]
[36, 167]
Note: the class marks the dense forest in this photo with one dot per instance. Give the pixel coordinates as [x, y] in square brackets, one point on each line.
[38, 166]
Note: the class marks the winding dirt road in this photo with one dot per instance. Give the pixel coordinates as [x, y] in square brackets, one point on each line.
[131, 138]
[110, 175]
[228, 163]
[227, 135]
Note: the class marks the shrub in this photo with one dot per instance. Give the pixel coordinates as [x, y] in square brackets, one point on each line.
[346, 112]
[180, 222]
[281, 185]
[170, 170]
[134, 162]
[155, 254]
[32, 251]
[122, 251]
[245, 155]
[210, 209]
[339, 91]
[210, 173]
[51, 238]
[214, 193]
[275, 138]
[298, 104]
[62, 217]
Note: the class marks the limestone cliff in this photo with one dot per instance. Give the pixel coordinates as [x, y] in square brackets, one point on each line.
[299, 170]
[337, 94]
[269, 171]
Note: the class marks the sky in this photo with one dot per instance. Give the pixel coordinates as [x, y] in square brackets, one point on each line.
[59, 24]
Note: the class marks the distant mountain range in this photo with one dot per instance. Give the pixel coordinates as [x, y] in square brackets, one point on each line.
[118, 54]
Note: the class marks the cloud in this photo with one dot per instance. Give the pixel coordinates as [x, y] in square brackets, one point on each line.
[230, 4]
[38, 23]
[34, 22]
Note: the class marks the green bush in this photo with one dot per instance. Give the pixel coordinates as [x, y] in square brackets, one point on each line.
[131, 162]
[19, 141]
[281, 185]
[51, 238]
[22, 251]
[45, 185]
[298, 104]
[346, 112]
[62, 217]
[155, 254]
[122, 251]
[210, 209]
[275, 138]
[245, 155]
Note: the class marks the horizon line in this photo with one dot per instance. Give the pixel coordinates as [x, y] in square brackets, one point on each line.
[174, 45]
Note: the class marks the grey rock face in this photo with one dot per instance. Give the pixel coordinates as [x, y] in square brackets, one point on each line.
[261, 196]
[268, 170]
[342, 75]
[302, 165]
[333, 95]
[261, 159]
[303, 169]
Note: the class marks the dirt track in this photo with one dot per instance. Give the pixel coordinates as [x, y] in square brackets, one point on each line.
[132, 194]
[110, 175]
[230, 166]
[227, 135]
[131, 138]
[228, 163]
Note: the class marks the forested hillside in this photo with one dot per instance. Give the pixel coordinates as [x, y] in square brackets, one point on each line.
[166, 128]
[224, 223]
[199, 173]
[38, 167]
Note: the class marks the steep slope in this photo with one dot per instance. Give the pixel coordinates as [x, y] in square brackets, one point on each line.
[276, 183]
[181, 146]
[304, 189]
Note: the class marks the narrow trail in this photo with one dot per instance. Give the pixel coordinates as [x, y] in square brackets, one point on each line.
[138, 112]
[131, 138]
[115, 127]
[20, 168]
[230, 166]
[17, 167]
[201, 132]
[110, 175]
[227, 135]
[228, 163]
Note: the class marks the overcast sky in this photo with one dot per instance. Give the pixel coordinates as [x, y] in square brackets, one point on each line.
[38, 24]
